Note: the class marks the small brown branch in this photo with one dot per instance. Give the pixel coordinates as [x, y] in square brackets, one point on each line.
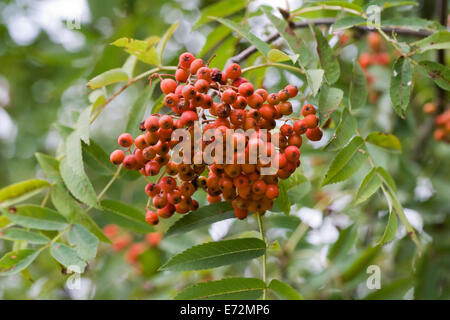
[327, 22]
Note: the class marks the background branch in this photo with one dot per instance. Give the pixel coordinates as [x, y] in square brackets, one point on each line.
[327, 22]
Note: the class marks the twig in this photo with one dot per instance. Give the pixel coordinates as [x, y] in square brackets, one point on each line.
[297, 25]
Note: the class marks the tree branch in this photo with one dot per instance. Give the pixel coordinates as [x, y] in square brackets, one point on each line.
[327, 22]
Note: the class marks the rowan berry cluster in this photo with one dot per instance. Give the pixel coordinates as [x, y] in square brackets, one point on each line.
[377, 54]
[442, 131]
[123, 240]
[219, 101]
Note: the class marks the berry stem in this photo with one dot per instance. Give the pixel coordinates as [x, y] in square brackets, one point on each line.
[109, 184]
[264, 258]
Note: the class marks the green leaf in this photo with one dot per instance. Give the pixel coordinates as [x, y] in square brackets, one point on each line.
[297, 186]
[360, 264]
[391, 230]
[438, 73]
[276, 55]
[220, 9]
[70, 209]
[368, 187]
[15, 234]
[347, 162]
[437, 41]
[101, 162]
[144, 50]
[85, 242]
[384, 140]
[296, 46]
[344, 132]
[330, 5]
[20, 191]
[387, 179]
[401, 214]
[284, 291]
[83, 125]
[4, 221]
[282, 201]
[348, 22]
[243, 31]
[401, 85]
[314, 77]
[97, 97]
[343, 244]
[73, 174]
[215, 254]
[35, 217]
[329, 100]
[327, 59]
[201, 217]
[14, 262]
[50, 166]
[412, 23]
[67, 256]
[358, 87]
[163, 42]
[225, 289]
[107, 78]
[136, 114]
[385, 4]
[126, 216]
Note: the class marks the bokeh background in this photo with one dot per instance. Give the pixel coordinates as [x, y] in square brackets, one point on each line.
[44, 65]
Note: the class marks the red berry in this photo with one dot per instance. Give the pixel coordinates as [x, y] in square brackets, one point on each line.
[229, 96]
[125, 140]
[186, 59]
[272, 191]
[308, 109]
[188, 118]
[151, 217]
[293, 91]
[117, 157]
[246, 89]
[152, 123]
[165, 122]
[292, 153]
[168, 86]
[311, 121]
[195, 65]
[181, 75]
[152, 189]
[314, 134]
[129, 162]
[233, 71]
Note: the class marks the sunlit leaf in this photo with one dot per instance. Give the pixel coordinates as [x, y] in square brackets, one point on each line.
[14, 262]
[21, 191]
